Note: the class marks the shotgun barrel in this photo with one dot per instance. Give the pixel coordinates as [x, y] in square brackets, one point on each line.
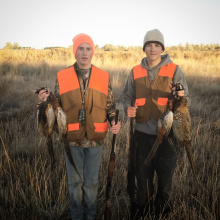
[111, 168]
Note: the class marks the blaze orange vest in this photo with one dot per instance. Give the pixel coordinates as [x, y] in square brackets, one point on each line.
[96, 125]
[152, 99]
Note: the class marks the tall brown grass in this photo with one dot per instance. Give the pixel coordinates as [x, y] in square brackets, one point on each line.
[28, 188]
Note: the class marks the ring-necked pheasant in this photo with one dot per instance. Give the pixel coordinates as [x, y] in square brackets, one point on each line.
[51, 118]
[176, 118]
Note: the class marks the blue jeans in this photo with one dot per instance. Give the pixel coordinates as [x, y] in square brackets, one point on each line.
[83, 189]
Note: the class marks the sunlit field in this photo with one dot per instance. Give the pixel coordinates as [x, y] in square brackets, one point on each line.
[28, 187]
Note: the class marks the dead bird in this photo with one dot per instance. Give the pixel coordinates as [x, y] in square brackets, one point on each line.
[51, 118]
[175, 121]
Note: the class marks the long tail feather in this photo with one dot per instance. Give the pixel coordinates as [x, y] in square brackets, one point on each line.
[51, 151]
[187, 145]
[152, 153]
[69, 154]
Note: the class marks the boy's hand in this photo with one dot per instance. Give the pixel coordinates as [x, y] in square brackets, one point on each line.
[131, 111]
[43, 93]
[115, 128]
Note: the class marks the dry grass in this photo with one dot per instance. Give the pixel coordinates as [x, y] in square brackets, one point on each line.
[28, 188]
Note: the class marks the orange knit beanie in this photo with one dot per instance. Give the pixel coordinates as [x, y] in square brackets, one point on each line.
[80, 39]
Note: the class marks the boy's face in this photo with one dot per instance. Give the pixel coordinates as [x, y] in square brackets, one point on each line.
[84, 56]
[153, 52]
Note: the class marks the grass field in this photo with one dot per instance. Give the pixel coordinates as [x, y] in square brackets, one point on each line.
[28, 188]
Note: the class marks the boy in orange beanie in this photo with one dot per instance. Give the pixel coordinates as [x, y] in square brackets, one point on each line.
[85, 94]
[82, 38]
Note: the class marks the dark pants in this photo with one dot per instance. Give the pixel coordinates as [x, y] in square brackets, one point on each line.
[140, 177]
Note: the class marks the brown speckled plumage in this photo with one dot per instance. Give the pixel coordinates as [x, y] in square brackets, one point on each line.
[182, 129]
[51, 118]
[176, 118]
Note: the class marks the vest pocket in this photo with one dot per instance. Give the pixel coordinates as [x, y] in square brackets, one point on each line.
[142, 110]
[98, 110]
[73, 127]
[97, 125]
[75, 133]
[101, 127]
[140, 102]
[98, 113]
[95, 130]
[162, 101]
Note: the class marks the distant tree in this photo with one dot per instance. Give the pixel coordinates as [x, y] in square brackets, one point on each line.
[173, 48]
[135, 48]
[16, 46]
[109, 47]
[180, 46]
[8, 45]
[211, 46]
[122, 48]
[97, 47]
[202, 47]
[217, 47]
[138, 48]
[51, 48]
[188, 46]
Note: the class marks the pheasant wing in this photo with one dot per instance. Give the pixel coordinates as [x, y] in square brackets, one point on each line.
[163, 129]
[61, 122]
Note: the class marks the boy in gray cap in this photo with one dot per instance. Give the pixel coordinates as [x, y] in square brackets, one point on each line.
[145, 99]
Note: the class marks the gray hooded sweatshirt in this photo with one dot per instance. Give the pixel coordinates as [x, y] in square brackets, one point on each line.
[150, 126]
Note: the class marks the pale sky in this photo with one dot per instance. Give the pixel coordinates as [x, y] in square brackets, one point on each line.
[51, 23]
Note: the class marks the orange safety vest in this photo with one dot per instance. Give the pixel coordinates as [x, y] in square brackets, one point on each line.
[96, 125]
[152, 99]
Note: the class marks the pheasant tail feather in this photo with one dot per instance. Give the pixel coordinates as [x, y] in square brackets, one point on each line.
[187, 145]
[69, 154]
[51, 152]
[152, 152]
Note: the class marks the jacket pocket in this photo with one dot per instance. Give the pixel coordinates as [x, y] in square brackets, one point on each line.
[140, 102]
[162, 101]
